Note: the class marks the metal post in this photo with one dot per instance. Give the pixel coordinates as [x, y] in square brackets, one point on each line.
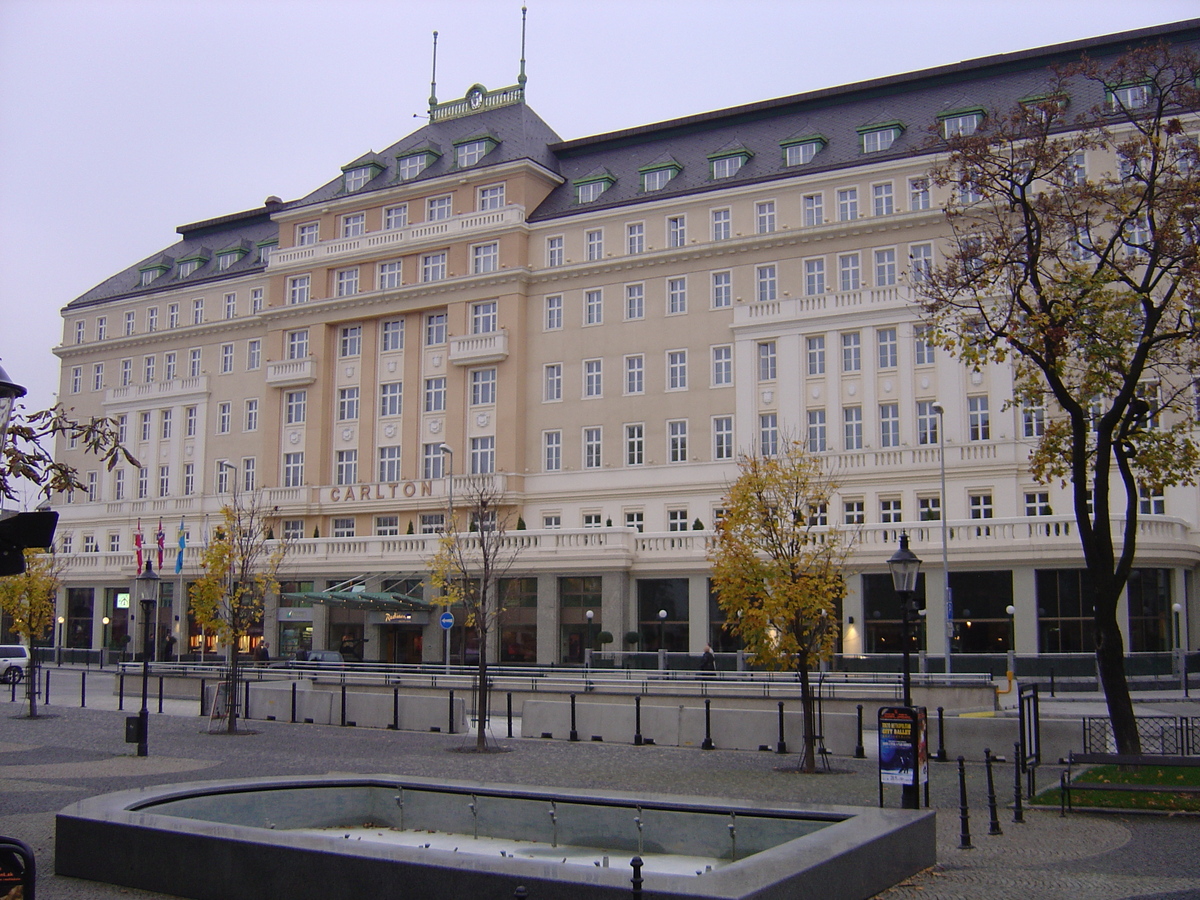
[964, 815]
[906, 612]
[121, 692]
[343, 704]
[637, 721]
[707, 743]
[948, 639]
[860, 752]
[509, 711]
[82, 690]
[293, 703]
[1052, 681]
[994, 823]
[781, 746]
[395, 709]
[451, 729]
[160, 694]
[46, 699]
[941, 752]
[636, 880]
[574, 737]
[1018, 812]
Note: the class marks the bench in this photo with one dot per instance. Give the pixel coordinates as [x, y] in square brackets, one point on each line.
[1069, 785]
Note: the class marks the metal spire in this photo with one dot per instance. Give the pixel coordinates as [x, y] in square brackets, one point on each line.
[521, 78]
[433, 77]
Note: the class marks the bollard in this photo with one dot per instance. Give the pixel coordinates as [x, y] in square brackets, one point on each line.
[395, 709]
[994, 823]
[201, 696]
[1018, 812]
[343, 704]
[14, 691]
[121, 692]
[636, 880]
[860, 751]
[46, 699]
[509, 704]
[450, 730]
[574, 736]
[82, 690]
[520, 893]
[293, 703]
[964, 816]
[246, 699]
[160, 694]
[941, 753]
[1052, 681]
[637, 722]
[781, 746]
[1062, 794]
[707, 743]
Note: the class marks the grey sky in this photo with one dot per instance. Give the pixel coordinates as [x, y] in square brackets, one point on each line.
[121, 119]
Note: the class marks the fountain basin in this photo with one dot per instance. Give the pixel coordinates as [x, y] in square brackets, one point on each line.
[286, 837]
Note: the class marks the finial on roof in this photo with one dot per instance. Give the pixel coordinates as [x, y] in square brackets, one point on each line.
[521, 78]
[433, 76]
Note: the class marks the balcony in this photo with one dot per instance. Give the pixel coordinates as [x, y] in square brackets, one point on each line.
[292, 372]
[400, 239]
[789, 309]
[158, 391]
[478, 349]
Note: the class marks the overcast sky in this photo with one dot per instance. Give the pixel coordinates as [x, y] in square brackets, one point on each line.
[122, 119]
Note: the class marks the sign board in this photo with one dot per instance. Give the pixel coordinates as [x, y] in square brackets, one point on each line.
[18, 868]
[903, 746]
[446, 620]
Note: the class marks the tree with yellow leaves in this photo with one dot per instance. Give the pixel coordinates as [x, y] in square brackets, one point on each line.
[29, 599]
[777, 568]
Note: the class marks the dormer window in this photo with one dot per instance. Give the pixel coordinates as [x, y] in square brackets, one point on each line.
[227, 258]
[470, 152]
[960, 123]
[802, 150]
[414, 164]
[189, 266]
[726, 165]
[357, 177]
[876, 138]
[656, 178]
[1128, 96]
[590, 189]
[264, 251]
[150, 273]
[1044, 107]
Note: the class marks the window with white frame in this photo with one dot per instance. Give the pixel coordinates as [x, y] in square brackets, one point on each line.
[490, 197]
[766, 285]
[635, 238]
[1037, 503]
[395, 217]
[979, 505]
[98, 376]
[593, 307]
[888, 348]
[847, 204]
[190, 419]
[722, 365]
[636, 519]
[251, 418]
[297, 343]
[435, 394]
[343, 526]
[129, 322]
[849, 272]
[979, 424]
[433, 266]
[635, 444]
[293, 469]
[879, 139]
[298, 289]
[592, 520]
[295, 407]
[891, 510]
[677, 370]
[813, 206]
[143, 483]
[552, 520]
[253, 354]
[126, 372]
[391, 398]
[435, 329]
[768, 434]
[961, 124]
[882, 199]
[929, 508]
[438, 208]
[920, 258]
[764, 216]
[677, 520]
[722, 290]
[391, 335]
[851, 352]
[1129, 96]
[358, 177]
[173, 315]
[144, 426]
[79, 327]
[722, 224]
[413, 165]
[164, 482]
[635, 374]
[889, 425]
[1151, 501]
[766, 361]
[224, 417]
[676, 296]
[166, 424]
[852, 428]
[722, 429]
[635, 301]
[885, 267]
[226, 358]
[923, 345]
[554, 251]
[433, 462]
[484, 317]
[593, 243]
[483, 387]
[817, 431]
[293, 529]
[346, 282]
[347, 404]
[554, 312]
[676, 231]
[346, 467]
[918, 193]
[249, 477]
[657, 179]
[927, 422]
[593, 382]
[853, 512]
[802, 152]
[677, 440]
[552, 451]
[727, 166]
[387, 526]
[1033, 419]
[592, 444]
[552, 382]
[485, 258]
[815, 346]
[472, 151]
[119, 484]
[814, 277]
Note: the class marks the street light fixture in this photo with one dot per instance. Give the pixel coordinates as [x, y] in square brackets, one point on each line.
[147, 594]
[447, 450]
[58, 652]
[905, 566]
[948, 639]
[10, 393]
[106, 621]
[587, 648]
[1012, 638]
[662, 632]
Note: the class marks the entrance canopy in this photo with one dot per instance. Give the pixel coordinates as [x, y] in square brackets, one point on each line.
[371, 601]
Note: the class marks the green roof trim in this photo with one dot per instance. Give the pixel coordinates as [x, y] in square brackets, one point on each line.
[966, 111]
[880, 126]
[657, 167]
[806, 139]
[159, 267]
[726, 154]
[481, 136]
[592, 179]
[199, 256]
[355, 166]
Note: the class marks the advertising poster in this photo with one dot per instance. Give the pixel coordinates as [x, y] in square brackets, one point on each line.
[897, 745]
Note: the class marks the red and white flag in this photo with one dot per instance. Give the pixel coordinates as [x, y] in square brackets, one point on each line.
[137, 542]
[161, 540]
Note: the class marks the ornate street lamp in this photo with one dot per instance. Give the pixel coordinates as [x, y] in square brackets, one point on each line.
[447, 450]
[905, 566]
[147, 595]
[106, 621]
[10, 393]
[58, 651]
[587, 648]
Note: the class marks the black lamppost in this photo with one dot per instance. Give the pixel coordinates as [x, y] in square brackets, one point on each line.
[10, 393]
[905, 566]
[147, 594]
[1012, 637]
[662, 630]
[58, 653]
[587, 648]
[104, 638]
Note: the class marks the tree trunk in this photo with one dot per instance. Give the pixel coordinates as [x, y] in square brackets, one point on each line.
[31, 681]
[482, 706]
[808, 762]
[232, 688]
[1110, 659]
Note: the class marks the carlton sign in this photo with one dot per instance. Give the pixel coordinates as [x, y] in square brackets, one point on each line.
[393, 491]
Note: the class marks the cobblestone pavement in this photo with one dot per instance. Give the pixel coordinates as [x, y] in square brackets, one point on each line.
[73, 753]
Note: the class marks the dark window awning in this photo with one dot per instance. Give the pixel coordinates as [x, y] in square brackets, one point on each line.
[374, 601]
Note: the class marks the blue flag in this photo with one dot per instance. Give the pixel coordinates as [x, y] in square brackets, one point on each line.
[182, 547]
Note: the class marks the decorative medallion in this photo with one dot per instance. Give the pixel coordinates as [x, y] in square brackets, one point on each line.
[482, 420]
[391, 366]
[887, 385]
[768, 396]
[435, 426]
[816, 393]
[389, 431]
[976, 377]
[347, 434]
[852, 390]
[349, 371]
[924, 384]
[294, 437]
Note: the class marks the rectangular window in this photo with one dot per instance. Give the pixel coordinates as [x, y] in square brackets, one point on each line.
[189, 479]
[102, 324]
[297, 344]
[485, 258]
[851, 352]
[876, 141]
[593, 383]
[852, 427]
[293, 469]
[293, 529]
[395, 217]
[814, 209]
[1037, 503]
[722, 224]
[173, 315]
[391, 398]
[816, 354]
[490, 197]
[929, 509]
[727, 166]
[1151, 501]
[251, 414]
[433, 462]
[593, 242]
[979, 425]
[552, 451]
[148, 369]
[849, 273]
[554, 312]
[129, 322]
[814, 277]
[677, 437]
[438, 208]
[591, 448]
[766, 361]
[230, 306]
[889, 425]
[484, 317]
[1033, 420]
[433, 266]
[635, 444]
[765, 283]
[343, 527]
[799, 154]
[79, 331]
[635, 374]
[226, 358]
[471, 152]
[391, 335]
[768, 434]
[817, 437]
[144, 426]
[657, 179]
[635, 301]
[295, 407]
[1130, 96]
[143, 486]
[554, 251]
[853, 512]
[191, 421]
[308, 233]
[920, 257]
[886, 338]
[483, 387]
[346, 282]
[435, 329]
[923, 345]
[635, 235]
[253, 354]
[918, 193]
[346, 467]
[164, 482]
[677, 370]
[764, 216]
[593, 307]
[165, 424]
[552, 379]
[885, 267]
[298, 289]
[98, 376]
[847, 202]
[676, 296]
[676, 231]
[882, 202]
[387, 526]
[927, 422]
[722, 290]
[722, 437]
[980, 506]
[890, 511]
[677, 520]
[126, 372]
[224, 417]
[722, 365]
[636, 520]
[435, 394]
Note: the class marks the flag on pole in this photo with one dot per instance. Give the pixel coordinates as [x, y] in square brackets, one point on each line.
[161, 539]
[137, 542]
[182, 547]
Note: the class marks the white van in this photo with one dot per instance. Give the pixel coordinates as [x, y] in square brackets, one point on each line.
[14, 662]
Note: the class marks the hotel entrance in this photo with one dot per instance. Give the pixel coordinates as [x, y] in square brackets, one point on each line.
[402, 643]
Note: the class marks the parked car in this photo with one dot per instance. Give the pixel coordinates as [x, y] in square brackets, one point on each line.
[318, 659]
[14, 662]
